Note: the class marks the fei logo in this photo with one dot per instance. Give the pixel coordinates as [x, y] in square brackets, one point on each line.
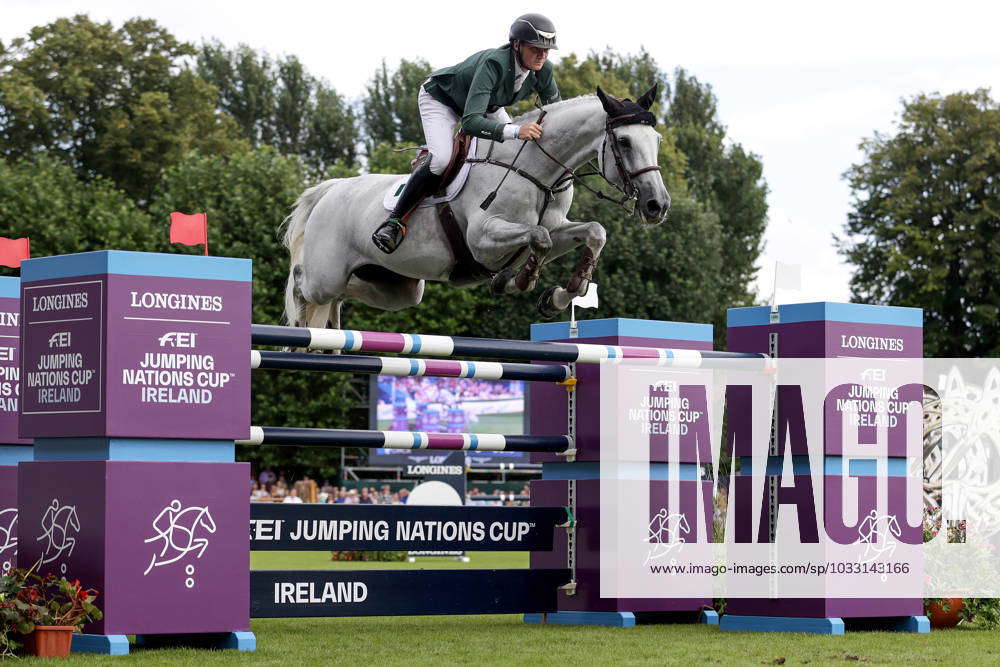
[178, 339]
[8, 540]
[665, 534]
[57, 522]
[178, 528]
[61, 339]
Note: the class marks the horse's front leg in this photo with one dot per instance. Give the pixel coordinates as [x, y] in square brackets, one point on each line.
[590, 237]
[494, 240]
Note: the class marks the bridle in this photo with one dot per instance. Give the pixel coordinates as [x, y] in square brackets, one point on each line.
[628, 189]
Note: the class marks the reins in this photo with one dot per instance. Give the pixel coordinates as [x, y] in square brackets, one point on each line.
[569, 177]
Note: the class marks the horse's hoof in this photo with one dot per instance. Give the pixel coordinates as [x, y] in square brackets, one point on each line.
[545, 307]
[498, 285]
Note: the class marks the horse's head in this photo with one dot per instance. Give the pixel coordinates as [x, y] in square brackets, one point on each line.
[628, 157]
[207, 521]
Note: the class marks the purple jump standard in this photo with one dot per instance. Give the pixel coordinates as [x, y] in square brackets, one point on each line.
[13, 448]
[828, 330]
[580, 479]
[136, 385]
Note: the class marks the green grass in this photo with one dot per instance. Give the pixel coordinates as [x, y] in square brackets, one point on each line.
[504, 639]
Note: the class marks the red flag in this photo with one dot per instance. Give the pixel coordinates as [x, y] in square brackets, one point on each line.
[189, 229]
[12, 251]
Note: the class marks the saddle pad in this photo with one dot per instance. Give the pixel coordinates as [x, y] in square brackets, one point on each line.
[452, 191]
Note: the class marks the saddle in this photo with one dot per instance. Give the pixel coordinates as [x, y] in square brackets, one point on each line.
[467, 270]
[459, 151]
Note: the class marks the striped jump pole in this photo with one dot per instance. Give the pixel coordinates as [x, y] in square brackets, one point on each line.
[403, 367]
[490, 348]
[484, 442]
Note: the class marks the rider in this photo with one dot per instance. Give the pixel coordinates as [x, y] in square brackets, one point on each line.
[475, 92]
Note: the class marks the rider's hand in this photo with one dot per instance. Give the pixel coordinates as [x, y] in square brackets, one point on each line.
[530, 131]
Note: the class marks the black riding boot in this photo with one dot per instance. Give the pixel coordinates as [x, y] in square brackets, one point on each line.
[388, 236]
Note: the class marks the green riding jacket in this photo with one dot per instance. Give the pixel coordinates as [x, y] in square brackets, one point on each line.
[483, 83]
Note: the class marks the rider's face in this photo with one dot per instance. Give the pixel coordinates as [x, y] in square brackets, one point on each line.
[533, 57]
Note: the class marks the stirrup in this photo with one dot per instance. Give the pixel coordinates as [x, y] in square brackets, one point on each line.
[395, 229]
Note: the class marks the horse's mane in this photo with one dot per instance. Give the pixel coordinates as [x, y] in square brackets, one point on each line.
[555, 107]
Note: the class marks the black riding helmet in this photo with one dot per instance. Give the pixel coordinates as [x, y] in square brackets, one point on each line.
[534, 29]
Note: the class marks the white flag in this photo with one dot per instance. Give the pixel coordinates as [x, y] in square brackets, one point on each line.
[787, 276]
[588, 300]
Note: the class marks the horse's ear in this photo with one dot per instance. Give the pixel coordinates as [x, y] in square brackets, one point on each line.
[648, 97]
[610, 105]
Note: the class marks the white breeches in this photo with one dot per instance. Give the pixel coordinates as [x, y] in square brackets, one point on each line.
[439, 128]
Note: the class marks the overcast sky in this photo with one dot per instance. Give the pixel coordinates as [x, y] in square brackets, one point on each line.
[798, 83]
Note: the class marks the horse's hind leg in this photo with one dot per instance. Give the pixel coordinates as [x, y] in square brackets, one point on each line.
[317, 305]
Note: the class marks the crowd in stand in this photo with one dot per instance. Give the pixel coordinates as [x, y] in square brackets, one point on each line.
[272, 487]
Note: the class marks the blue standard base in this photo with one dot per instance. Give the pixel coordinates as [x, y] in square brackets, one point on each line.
[103, 644]
[611, 619]
[623, 619]
[823, 626]
[240, 641]
[119, 645]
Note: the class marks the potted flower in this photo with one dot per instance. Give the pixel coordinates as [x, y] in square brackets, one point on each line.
[42, 612]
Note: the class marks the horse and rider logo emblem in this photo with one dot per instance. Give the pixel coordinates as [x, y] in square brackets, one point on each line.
[8, 538]
[180, 530]
[57, 523]
[665, 535]
[877, 533]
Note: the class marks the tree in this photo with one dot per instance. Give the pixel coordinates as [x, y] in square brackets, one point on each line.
[924, 229]
[727, 179]
[45, 200]
[389, 109]
[108, 102]
[278, 103]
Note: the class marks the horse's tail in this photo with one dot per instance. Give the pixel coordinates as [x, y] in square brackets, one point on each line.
[294, 239]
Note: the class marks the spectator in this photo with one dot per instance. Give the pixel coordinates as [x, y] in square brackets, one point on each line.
[257, 493]
[366, 498]
[292, 497]
[403, 495]
[266, 479]
[305, 488]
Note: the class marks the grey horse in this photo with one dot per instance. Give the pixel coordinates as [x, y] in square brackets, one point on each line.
[328, 234]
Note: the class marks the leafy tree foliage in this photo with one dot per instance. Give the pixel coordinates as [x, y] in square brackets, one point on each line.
[45, 200]
[726, 179]
[108, 102]
[925, 226]
[390, 112]
[278, 103]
